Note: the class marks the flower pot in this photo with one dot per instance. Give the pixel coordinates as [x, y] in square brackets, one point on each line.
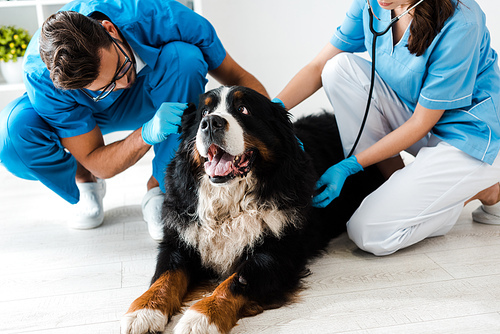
[12, 71]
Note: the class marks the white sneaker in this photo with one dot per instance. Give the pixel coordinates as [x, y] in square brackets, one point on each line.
[89, 212]
[151, 212]
[487, 214]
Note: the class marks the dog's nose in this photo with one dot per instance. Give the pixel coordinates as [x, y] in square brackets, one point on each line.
[213, 123]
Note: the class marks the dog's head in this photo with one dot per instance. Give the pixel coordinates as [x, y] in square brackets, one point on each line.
[237, 130]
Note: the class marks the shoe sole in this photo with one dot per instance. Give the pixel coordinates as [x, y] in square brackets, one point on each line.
[483, 217]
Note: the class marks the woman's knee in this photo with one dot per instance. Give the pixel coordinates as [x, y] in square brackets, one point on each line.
[380, 239]
[363, 236]
[337, 70]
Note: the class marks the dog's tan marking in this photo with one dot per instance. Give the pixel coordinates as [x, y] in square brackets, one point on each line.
[208, 100]
[265, 153]
[165, 295]
[224, 309]
[197, 159]
[238, 94]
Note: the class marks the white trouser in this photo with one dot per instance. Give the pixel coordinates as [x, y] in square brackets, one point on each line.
[422, 200]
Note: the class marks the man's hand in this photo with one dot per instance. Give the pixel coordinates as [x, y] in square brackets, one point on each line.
[165, 122]
[333, 180]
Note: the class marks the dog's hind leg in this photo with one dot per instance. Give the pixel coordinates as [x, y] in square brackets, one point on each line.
[218, 313]
[152, 311]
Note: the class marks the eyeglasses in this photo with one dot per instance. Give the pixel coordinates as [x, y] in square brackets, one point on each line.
[124, 68]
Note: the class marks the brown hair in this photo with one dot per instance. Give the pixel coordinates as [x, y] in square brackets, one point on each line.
[70, 45]
[429, 18]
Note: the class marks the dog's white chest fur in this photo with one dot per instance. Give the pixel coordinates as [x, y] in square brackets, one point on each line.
[230, 220]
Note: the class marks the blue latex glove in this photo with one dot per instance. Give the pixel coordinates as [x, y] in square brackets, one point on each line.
[334, 179]
[301, 144]
[165, 122]
[278, 101]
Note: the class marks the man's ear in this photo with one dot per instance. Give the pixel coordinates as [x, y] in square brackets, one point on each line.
[111, 29]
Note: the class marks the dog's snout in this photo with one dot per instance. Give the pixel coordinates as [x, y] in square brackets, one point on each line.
[213, 123]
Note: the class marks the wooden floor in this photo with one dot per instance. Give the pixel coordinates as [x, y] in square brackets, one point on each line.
[57, 280]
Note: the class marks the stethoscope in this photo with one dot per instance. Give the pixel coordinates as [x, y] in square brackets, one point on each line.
[372, 79]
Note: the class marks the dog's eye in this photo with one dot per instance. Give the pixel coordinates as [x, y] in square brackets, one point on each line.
[204, 112]
[243, 110]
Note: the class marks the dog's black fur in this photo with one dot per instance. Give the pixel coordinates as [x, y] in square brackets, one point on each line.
[273, 268]
[270, 177]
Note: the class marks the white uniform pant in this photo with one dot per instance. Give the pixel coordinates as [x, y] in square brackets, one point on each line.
[425, 198]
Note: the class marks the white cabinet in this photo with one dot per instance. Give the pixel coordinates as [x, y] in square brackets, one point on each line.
[29, 15]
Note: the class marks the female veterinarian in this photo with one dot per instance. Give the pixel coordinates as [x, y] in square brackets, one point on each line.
[436, 95]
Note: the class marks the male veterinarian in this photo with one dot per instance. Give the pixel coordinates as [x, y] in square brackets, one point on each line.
[101, 66]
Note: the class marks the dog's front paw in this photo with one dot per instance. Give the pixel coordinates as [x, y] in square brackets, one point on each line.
[143, 321]
[194, 322]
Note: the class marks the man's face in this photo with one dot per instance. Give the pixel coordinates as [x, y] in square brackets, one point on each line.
[112, 59]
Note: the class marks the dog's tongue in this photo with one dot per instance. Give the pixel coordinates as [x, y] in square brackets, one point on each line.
[220, 165]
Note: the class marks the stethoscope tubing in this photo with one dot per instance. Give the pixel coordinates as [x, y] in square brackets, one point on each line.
[372, 78]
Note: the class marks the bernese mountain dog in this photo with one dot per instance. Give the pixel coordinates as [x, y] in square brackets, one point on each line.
[238, 210]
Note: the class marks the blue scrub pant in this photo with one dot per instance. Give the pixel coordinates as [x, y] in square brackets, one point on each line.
[30, 148]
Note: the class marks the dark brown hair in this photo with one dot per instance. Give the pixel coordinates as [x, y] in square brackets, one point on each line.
[429, 18]
[70, 45]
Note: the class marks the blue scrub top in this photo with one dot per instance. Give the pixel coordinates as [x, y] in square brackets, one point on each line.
[146, 26]
[458, 73]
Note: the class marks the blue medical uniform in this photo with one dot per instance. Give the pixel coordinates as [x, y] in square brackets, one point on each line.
[178, 48]
[458, 73]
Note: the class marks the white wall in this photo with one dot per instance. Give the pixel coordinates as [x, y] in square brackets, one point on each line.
[274, 39]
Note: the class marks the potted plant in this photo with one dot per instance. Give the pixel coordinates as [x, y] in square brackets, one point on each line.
[13, 44]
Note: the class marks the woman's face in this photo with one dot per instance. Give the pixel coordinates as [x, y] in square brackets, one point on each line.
[393, 4]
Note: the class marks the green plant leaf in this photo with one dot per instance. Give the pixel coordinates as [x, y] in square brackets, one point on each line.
[13, 42]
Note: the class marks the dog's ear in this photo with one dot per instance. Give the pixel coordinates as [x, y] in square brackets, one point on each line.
[188, 117]
[281, 113]
[189, 113]
[190, 109]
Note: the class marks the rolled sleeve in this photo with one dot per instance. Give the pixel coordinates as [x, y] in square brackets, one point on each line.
[350, 36]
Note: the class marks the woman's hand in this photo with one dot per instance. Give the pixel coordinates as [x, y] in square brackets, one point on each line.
[333, 179]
